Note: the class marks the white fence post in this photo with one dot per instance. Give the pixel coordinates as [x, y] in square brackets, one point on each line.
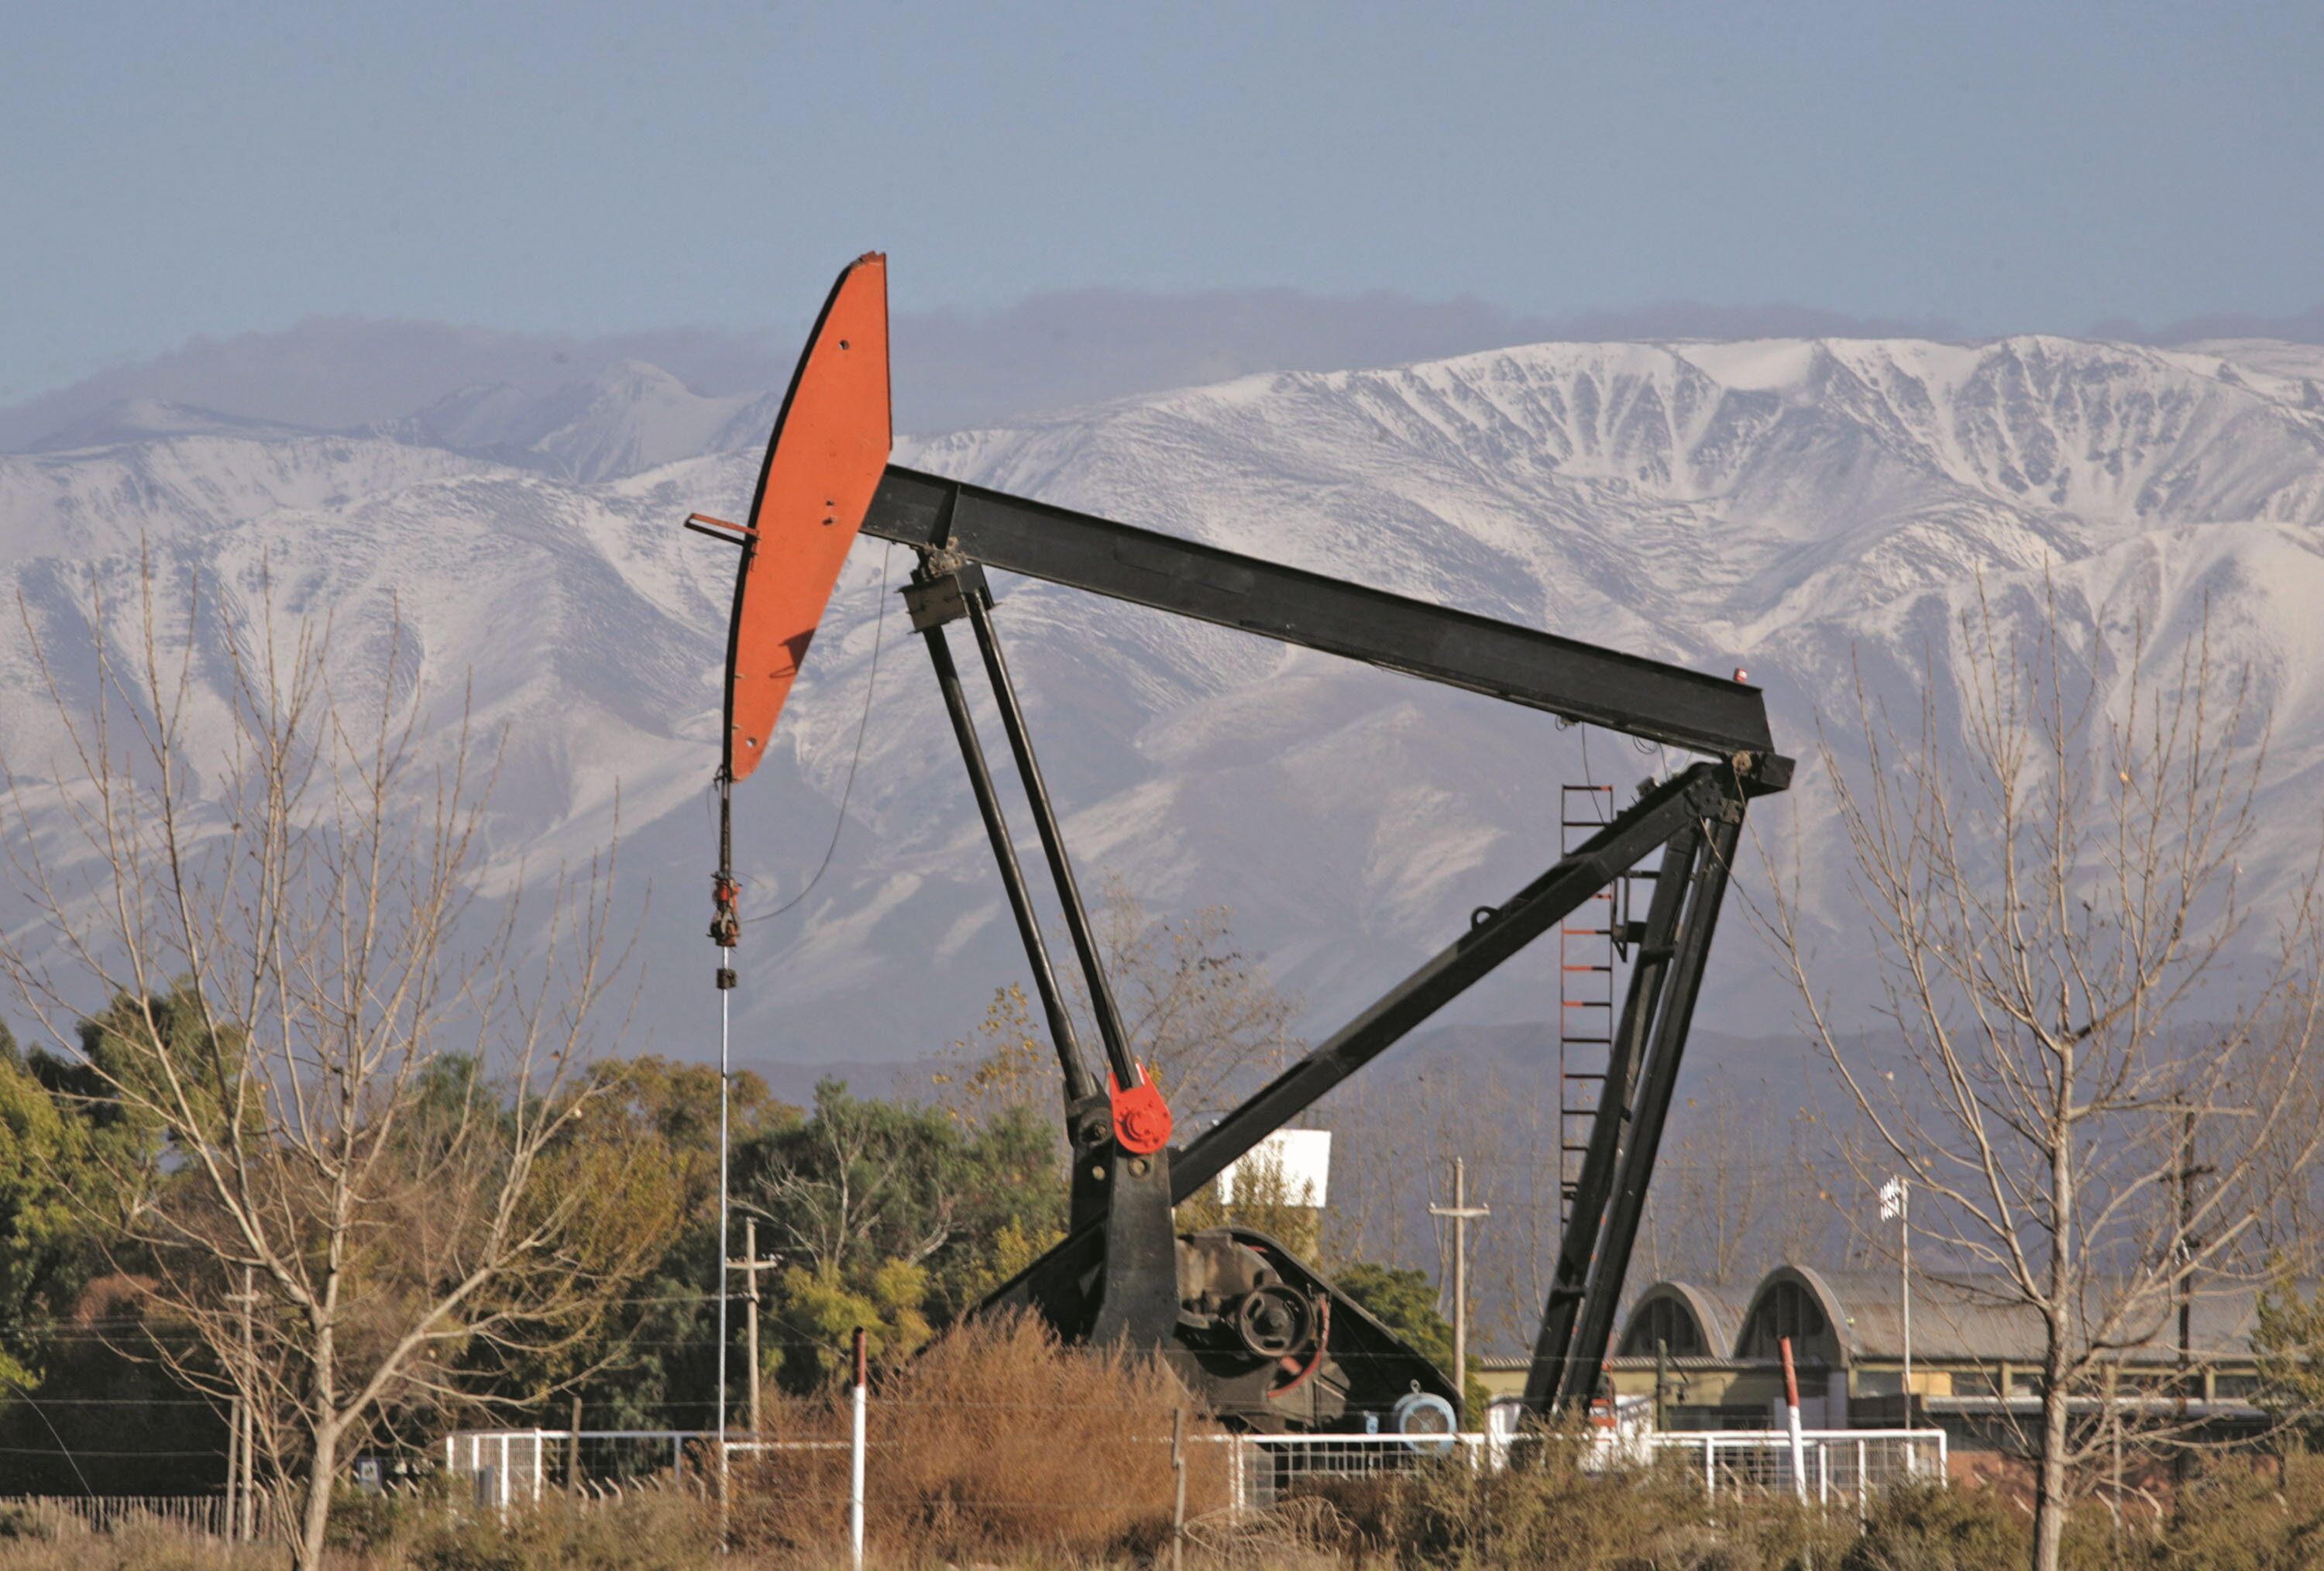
[856, 1464]
[1792, 1417]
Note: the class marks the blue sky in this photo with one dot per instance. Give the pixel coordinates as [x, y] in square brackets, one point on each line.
[181, 171]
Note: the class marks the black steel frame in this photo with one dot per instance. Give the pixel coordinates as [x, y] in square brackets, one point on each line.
[1623, 692]
[1693, 819]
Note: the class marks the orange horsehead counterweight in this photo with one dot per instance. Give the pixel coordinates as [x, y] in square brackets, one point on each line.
[823, 461]
[829, 449]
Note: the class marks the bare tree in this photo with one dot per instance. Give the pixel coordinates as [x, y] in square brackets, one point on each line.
[831, 1206]
[1201, 1014]
[2079, 993]
[1001, 1068]
[1730, 1200]
[1392, 1160]
[263, 895]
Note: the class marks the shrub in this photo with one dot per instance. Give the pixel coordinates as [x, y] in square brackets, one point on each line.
[1930, 1526]
[362, 1522]
[995, 1442]
[2243, 1513]
[1545, 1509]
[21, 1522]
[645, 1530]
[138, 1544]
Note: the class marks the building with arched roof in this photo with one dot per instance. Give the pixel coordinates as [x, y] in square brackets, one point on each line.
[1682, 1320]
[1711, 1359]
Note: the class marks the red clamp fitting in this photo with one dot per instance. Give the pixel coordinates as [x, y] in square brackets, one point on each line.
[726, 922]
[1141, 1119]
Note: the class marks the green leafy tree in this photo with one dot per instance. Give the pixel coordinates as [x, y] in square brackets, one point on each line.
[1265, 1200]
[893, 1216]
[76, 1339]
[2288, 1344]
[649, 1363]
[49, 1247]
[1403, 1299]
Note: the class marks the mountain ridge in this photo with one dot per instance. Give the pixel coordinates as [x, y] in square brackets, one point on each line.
[1813, 510]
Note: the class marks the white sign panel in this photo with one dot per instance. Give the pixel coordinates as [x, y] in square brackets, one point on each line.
[1291, 1165]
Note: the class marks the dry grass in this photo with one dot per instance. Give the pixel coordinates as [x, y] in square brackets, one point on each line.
[997, 1449]
[995, 1443]
[1547, 1510]
[139, 1545]
[648, 1530]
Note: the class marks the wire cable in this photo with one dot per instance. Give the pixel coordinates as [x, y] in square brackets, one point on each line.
[66, 1451]
[871, 683]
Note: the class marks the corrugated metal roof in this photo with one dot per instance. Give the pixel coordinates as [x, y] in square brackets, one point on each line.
[1956, 1319]
[1717, 1310]
[1968, 1317]
[1973, 1317]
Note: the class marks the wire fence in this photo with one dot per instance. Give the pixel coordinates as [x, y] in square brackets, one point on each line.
[505, 1470]
[512, 1466]
[1842, 1467]
[507, 1467]
[1833, 1466]
[49, 1516]
[1265, 1470]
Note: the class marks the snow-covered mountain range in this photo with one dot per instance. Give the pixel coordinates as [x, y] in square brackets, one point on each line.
[1802, 508]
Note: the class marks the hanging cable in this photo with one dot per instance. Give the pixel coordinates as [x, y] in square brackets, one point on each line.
[25, 1390]
[871, 681]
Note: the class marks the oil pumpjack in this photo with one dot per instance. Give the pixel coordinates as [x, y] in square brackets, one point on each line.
[1264, 1339]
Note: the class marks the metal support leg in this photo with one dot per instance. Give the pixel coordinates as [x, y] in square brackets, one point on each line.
[1053, 841]
[1668, 810]
[1639, 1011]
[1138, 1291]
[1125, 1196]
[1635, 834]
[1078, 1084]
[1658, 1079]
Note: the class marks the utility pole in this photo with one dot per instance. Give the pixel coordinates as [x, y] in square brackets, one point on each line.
[244, 1527]
[751, 1265]
[2183, 1248]
[1896, 1203]
[1462, 1213]
[1661, 1384]
[233, 1467]
[2186, 1244]
[1904, 1286]
[856, 1460]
